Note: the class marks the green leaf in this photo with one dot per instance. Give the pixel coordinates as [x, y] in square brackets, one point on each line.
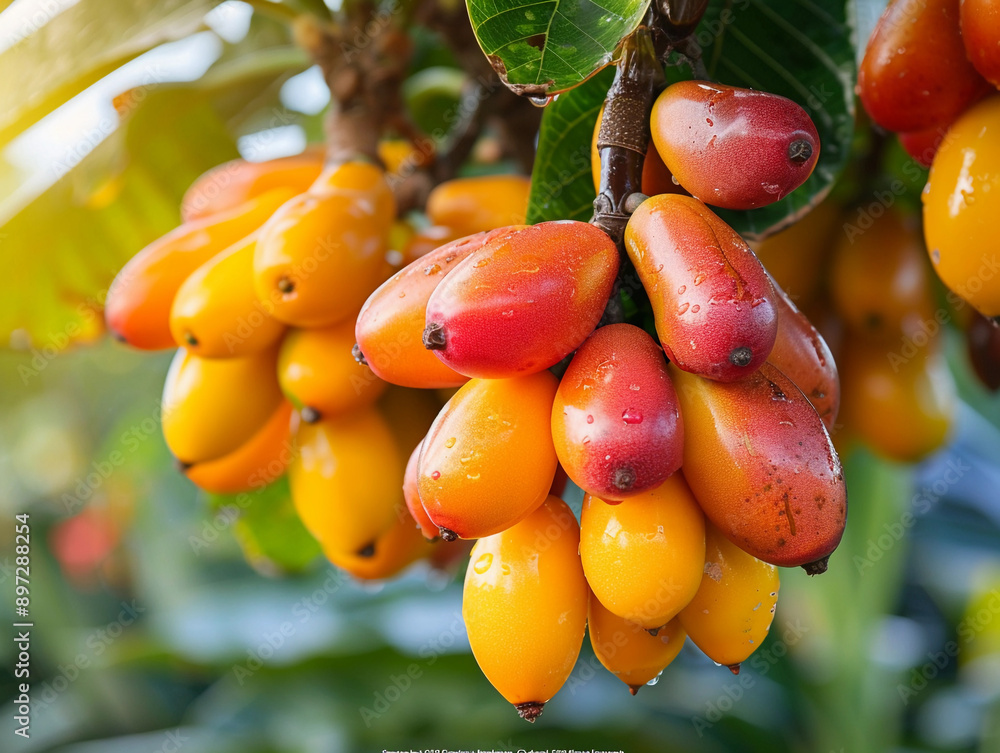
[802, 51]
[541, 48]
[561, 184]
[81, 45]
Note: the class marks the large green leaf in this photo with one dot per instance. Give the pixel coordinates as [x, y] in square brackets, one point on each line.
[802, 50]
[561, 184]
[541, 48]
[56, 61]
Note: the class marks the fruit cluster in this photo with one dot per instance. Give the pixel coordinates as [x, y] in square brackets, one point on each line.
[704, 454]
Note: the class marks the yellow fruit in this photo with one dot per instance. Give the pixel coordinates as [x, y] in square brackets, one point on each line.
[390, 553]
[731, 614]
[319, 375]
[525, 606]
[216, 313]
[644, 557]
[471, 205]
[212, 406]
[627, 650]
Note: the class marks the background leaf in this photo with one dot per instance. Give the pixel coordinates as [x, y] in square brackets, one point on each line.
[541, 48]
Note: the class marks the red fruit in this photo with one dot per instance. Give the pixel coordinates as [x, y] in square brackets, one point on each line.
[915, 74]
[923, 145]
[712, 300]
[524, 301]
[980, 24]
[615, 422]
[801, 354]
[731, 147]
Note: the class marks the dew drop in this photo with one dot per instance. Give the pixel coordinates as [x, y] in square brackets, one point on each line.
[632, 416]
[505, 569]
[675, 181]
[483, 563]
[450, 442]
[481, 263]
[700, 279]
[936, 256]
[590, 419]
[709, 121]
[681, 289]
[433, 269]
[682, 309]
[472, 476]
[655, 680]
[402, 294]
[436, 475]
[695, 309]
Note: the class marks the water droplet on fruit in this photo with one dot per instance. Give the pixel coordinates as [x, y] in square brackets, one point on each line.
[436, 475]
[481, 263]
[433, 269]
[681, 289]
[700, 279]
[590, 419]
[507, 314]
[709, 121]
[682, 309]
[676, 182]
[402, 294]
[936, 256]
[631, 416]
[655, 680]
[771, 188]
[450, 442]
[539, 100]
[505, 569]
[634, 387]
[483, 563]
[695, 309]
[472, 476]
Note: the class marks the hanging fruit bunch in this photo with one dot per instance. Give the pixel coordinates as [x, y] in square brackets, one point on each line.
[317, 330]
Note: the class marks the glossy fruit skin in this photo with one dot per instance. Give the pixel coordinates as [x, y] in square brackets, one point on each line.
[732, 612]
[644, 558]
[411, 495]
[712, 300]
[137, 309]
[257, 462]
[903, 408]
[961, 204]
[500, 428]
[731, 147]
[322, 253]
[656, 177]
[212, 406]
[743, 444]
[878, 278]
[628, 651]
[391, 324]
[228, 185]
[522, 302]
[215, 313]
[915, 74]
[346, 480]
[473, 205]
[317, 371]
[801, 354]
[980, 25]
[425, 240]
[616, 399]
[392, 552]
[525, 604]
[923, 145]
[983, 340]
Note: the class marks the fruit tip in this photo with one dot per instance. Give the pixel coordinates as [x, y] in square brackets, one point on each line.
[448, 535]
[633, 689]
[117, 335]
[310, 415]
[654, 631]
[734, 668]
[529, 711]
[818, 567]
[358, 355]
[433, 337]
[181, 465]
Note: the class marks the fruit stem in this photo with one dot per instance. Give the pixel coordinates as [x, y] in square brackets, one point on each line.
[529, 711]
[818, 567]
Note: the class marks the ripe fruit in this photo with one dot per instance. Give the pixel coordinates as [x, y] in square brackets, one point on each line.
[211, 406]
[399, 546]
[628, 651]
[260, 460]
[346, 480]
[923, 145]
[488, 460]
[961, 205]
[320, 376]
[525, 606]
[472, 205]
[731, 614]
[980, 25]
[712, 300]
[424, 240]
[138, 306]
[656, 178]
[230, 184]
[644, 557]
[523, 301]
[731, 147]
[801, 354]
[321, 254]
[411, 495]
[762, 466]
[216, 314]
[902, 407]
[391, 323]
[615, 423]
[914, 74]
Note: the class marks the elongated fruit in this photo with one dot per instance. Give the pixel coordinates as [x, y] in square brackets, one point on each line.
[522, 302]
[228, 185]
[628, 651]
[731, 147]
[712, 300]
[260, 460]
[488, 460]
[216, 314]
[346, 480]
[411, 495]
[390, 553]
[961, 205]
[731, 614]
[212, 406]
[321, 254]
[472, 205]
[801, 354]
[391, 323]
[656, 178]
[615, 422]
[762, 466]
[525, 606]
[138, 306]
[319, 375]
[980, 25]
[644, 557]
[915, 74]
